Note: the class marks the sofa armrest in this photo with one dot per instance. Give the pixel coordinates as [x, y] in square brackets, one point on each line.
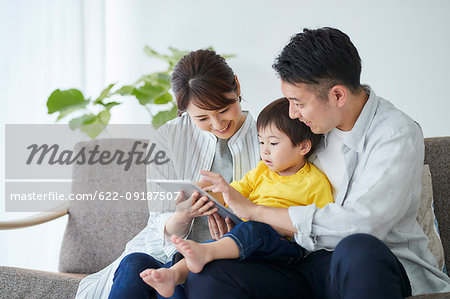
[431, 296]
[24, 283]
[36, 219]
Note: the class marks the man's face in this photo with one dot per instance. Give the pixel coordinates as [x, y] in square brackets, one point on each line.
[321, 115]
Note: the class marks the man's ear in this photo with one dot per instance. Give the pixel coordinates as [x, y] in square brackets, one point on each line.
[338, 94]
[304, 147]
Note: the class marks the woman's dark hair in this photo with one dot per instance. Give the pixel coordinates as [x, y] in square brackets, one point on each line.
[277, 113]
[322, 57]
[203, 78]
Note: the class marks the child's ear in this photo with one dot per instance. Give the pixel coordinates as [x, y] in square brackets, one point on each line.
[304, 147]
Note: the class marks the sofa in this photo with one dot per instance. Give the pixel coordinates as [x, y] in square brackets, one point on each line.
[96, 234]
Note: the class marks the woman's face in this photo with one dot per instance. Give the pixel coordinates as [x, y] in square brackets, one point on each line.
[223, 123]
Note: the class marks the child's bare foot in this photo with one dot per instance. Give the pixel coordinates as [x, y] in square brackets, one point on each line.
[162, 280]
[194, 253]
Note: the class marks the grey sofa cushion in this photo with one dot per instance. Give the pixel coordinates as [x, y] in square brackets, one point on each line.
[427, 219]
[437, 157]
[432, 296]
[23, 283]
[98, 230]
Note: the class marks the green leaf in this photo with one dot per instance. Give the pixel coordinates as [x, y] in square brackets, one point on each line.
[111, 104]
[125, 90]
[105, 93]
[178, 53]
[227, 56]
[159, 78]
[147, 93]
[152, 53]
[65, 102]
[104, 117]
[170, 59]
[91, 124]
[164, 116]
[175, 57]
[76, 123]
[164, 99]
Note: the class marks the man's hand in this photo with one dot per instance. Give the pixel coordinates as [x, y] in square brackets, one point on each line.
[218, 227]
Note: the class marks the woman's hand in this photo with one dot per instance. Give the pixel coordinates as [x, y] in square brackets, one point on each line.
[240, 205]
[218, 227]
[193, 206]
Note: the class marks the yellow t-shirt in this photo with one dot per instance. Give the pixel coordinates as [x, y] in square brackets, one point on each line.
[266, 187]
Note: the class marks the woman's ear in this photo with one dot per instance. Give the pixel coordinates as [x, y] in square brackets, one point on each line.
[238, 86]
[304, 147]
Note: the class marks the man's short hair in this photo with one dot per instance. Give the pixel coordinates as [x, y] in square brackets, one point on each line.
[277, 113]
[323, 58]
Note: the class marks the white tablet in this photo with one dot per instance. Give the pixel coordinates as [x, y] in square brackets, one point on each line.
[188, 188]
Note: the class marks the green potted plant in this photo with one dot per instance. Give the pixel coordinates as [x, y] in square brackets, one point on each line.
[150, 90]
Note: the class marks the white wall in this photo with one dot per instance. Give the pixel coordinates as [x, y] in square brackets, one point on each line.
[404, 47]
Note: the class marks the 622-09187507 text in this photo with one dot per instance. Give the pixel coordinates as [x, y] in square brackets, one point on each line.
[139, 195]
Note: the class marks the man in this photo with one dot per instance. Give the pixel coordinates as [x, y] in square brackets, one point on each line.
[368, 243]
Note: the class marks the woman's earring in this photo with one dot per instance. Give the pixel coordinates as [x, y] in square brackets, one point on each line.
[239, 99]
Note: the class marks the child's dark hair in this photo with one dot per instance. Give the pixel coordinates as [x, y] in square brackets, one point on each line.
[323, 58]
[277, 113]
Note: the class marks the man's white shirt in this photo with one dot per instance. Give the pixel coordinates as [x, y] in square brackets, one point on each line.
[379, 193]
[332, 160]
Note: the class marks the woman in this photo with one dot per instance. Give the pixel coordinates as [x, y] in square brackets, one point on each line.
[212, 133]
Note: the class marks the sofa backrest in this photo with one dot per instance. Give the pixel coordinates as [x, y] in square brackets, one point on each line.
[436, 156]
[98, 230]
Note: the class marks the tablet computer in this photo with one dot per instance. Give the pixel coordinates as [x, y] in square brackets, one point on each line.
[188, 188]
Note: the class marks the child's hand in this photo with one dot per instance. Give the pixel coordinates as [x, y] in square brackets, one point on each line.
[217, 196]
[215, 182]
[202, 184]
[240, 205]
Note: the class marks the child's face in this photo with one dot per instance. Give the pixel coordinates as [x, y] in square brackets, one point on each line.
[278, 152]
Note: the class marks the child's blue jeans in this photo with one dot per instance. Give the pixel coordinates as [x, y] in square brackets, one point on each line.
[255, 240]
[259, 241]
